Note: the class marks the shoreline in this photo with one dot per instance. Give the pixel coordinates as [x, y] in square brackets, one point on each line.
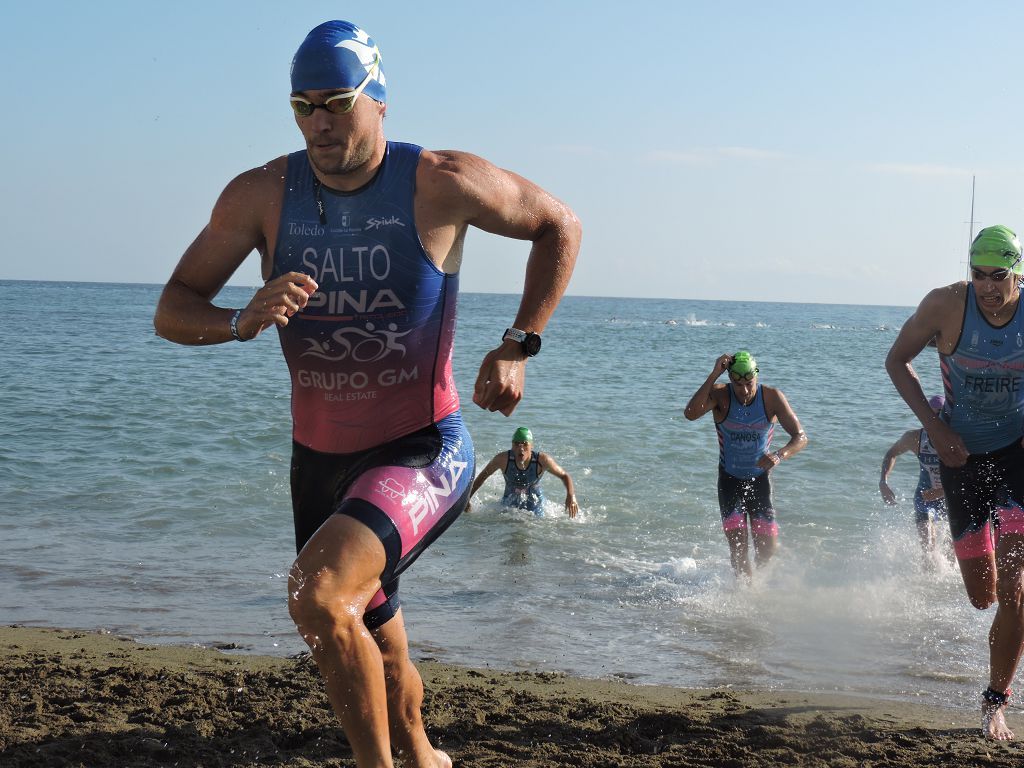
[82, 698]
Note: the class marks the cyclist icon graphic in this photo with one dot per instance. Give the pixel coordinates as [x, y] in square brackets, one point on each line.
[363, 346]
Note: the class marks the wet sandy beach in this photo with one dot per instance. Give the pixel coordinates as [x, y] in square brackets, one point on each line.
[71, 698]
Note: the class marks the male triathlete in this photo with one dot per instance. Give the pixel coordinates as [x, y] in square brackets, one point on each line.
[745, 414]
[978, 329]
[523, 468]
[361, 242]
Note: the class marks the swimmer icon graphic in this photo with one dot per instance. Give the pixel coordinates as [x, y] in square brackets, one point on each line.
[364, 346]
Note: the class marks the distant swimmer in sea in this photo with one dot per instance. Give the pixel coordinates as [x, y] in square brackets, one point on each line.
[929, 498]
[978, 327]
[523, 468]
[361, 241]
[745, 414]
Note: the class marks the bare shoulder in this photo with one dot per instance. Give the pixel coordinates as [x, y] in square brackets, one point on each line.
[449, 173]
[451, 161]
[941, 306]
[258, 183]
[772, 395]
[253, 193]
[775, 404]
[945, 298]
[720, 394]
[940, 315]
[477, 192]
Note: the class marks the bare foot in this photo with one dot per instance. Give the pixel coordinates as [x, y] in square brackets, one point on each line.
[443, 761]
[993, 724]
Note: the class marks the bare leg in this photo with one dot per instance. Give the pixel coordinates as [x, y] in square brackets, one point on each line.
[333, 579]
[980, 579]
[765, 548]
[405, 699]
[1006, 637]
[738, 552]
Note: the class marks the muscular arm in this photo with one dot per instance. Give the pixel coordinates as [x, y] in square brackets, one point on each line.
[468, 191]
[553, 467]
[938, 317]
[706, 398]
[908, 443]
[239, 224]
[778, 407]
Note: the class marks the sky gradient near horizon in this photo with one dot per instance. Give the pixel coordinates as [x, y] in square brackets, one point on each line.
[792, 151]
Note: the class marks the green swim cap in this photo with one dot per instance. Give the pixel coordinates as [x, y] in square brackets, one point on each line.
[522, 435]
[743, 363]
[997, 246]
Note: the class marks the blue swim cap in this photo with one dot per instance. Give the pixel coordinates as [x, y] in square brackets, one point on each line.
[338, 54]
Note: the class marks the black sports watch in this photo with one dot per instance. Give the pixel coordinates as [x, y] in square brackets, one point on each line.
[529, 341]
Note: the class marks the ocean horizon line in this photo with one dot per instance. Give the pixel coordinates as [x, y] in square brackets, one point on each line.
[568, 295]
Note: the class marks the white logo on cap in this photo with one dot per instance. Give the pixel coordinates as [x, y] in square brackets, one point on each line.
[368, 54]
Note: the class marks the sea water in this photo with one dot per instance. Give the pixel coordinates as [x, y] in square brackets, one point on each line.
[144, 491]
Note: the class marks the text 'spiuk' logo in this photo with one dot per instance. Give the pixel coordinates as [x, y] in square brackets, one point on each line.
[387, 221]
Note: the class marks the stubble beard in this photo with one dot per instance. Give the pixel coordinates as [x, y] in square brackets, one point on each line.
[345, 165]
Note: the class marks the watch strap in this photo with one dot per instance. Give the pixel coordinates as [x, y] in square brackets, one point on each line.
[234, 325]
[514, 334]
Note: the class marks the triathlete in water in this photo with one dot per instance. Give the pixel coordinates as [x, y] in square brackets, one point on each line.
[978, 328]
[361, 241]
[523, 468]
[745, 414]
[929, 498]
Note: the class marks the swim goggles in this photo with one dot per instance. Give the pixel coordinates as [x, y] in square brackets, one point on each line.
[340, 103]
[998, 275]
[748, 376]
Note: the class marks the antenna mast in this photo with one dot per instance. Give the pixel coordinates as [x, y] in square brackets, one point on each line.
[971, 240]
[972, 222]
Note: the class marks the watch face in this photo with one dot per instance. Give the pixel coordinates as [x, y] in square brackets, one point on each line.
[531, 344]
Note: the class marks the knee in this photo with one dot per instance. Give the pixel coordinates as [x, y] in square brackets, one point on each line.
[981, 602]
[316, 604]
[982, 596]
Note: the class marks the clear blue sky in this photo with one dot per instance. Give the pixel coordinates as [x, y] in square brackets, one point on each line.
[786, 151]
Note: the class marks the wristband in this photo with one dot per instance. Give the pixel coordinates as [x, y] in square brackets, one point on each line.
[234, 325]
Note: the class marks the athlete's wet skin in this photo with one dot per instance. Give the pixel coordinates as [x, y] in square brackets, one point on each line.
[523, 468]
[745, 414]
[361, 242]
[978, 329]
